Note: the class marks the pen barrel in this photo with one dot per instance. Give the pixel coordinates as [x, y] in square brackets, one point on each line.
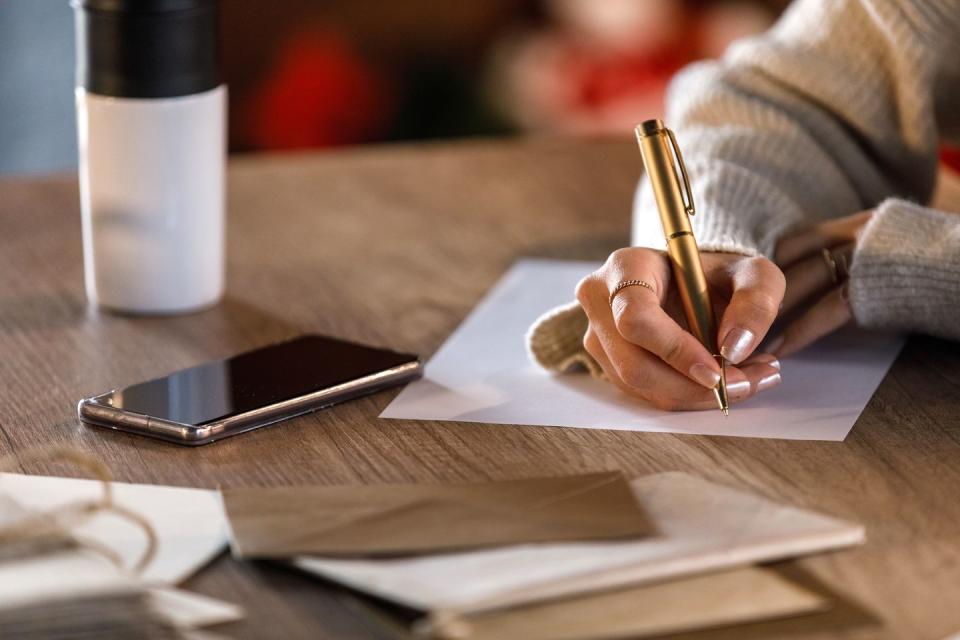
[691, 282]
[694, 292]
[662, 173]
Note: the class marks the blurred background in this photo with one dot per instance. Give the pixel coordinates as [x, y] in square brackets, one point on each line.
[307, 74]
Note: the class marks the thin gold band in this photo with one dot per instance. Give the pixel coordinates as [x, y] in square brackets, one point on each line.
[630, 283]
[838, 265]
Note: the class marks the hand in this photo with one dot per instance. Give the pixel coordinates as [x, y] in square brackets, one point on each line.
[641, 342]
[813, 285]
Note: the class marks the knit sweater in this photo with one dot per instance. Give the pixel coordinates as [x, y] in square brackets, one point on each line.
[838, 108]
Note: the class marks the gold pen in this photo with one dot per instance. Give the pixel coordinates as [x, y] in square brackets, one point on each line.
[656, 143]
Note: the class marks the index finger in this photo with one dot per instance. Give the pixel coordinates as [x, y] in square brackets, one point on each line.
[641, 320]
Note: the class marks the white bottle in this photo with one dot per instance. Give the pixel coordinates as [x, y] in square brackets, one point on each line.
[151, 115]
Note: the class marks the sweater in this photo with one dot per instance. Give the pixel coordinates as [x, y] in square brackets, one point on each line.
[840, 107]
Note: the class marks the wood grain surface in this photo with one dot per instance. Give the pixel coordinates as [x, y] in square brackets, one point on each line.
[393, 246]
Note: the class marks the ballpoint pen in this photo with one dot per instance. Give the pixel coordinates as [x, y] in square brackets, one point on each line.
[658, 146]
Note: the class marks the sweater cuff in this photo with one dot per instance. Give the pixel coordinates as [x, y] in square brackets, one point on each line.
[906, 270]
[737, 212]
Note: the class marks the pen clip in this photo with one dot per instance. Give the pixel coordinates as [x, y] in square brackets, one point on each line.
[688, 204]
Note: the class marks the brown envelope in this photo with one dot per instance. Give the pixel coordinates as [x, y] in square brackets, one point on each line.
[732, 597]
[371, 520]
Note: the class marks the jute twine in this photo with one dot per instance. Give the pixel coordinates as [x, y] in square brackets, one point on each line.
[37, 531]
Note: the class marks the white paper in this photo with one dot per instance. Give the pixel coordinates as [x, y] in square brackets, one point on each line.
[701, 527]
[62, 574]
[189, 523]
[483, 374]
[188, 610]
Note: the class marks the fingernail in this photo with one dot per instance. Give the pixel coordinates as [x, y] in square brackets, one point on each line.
[774, 345]
[704, 375]
[738, 388]
[736, 345]
[769, 381]
[764, 358]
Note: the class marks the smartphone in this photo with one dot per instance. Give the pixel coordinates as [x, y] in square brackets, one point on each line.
[226, 397]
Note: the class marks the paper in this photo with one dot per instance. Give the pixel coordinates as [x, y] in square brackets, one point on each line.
[700, 527]
[390, 519]
[189, 523]
[75, 589]
[59, 575]
[188, 610]
[737, 596]
[483, 374]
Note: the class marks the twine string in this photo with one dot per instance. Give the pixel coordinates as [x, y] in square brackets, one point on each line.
[46, 525]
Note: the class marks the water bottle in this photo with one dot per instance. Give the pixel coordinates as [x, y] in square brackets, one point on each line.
[151, 116]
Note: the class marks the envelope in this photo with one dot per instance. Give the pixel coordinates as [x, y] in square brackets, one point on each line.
[700, 526]
[377, 520]
[725, 598]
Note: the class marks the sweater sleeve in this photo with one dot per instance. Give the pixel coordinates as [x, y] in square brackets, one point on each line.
[906, 270]
[835, 109]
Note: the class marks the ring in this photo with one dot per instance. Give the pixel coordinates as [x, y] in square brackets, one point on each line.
[630, 283]
[831, 265]
[842, 258]
[838, 264]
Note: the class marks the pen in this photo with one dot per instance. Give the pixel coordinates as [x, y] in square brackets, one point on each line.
[656, 142]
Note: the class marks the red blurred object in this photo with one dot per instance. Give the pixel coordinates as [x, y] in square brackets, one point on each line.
[602, 80]
[319, 93]
[950, 156]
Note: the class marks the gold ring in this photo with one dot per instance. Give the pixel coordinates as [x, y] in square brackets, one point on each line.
[831, 265]
[838, 264]
[842, 259]
[630, 283]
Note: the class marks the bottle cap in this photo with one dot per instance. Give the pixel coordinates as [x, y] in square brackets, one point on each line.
[148, 48]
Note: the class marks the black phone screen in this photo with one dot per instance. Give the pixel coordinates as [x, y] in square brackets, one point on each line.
[259, 378]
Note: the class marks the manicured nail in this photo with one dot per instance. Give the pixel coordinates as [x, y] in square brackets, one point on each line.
[769, 381]
[774, 345]
[737, 344]
[738, 388]
[764, 358]
[704, 375]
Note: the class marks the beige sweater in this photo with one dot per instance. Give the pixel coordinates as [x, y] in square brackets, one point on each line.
[838, 108]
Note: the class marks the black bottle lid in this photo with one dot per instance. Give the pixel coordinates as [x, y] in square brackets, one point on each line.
[148, 48]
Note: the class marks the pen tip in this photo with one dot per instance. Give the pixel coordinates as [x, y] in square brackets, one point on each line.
[726, 411]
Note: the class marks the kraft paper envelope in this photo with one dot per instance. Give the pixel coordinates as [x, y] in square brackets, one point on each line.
[700, 526]
[737, 596]
[375, 520]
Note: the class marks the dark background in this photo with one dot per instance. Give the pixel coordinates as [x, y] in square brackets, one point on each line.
[315, 74]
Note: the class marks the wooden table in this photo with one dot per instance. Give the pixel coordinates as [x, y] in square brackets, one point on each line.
[394, 246]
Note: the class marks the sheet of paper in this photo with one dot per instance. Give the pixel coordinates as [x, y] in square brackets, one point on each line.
[188, 610]
[482, 374]
[724, 598]
[83, 573]
[189, 523]
[59, 575]
[387, 519]
[701, 526]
